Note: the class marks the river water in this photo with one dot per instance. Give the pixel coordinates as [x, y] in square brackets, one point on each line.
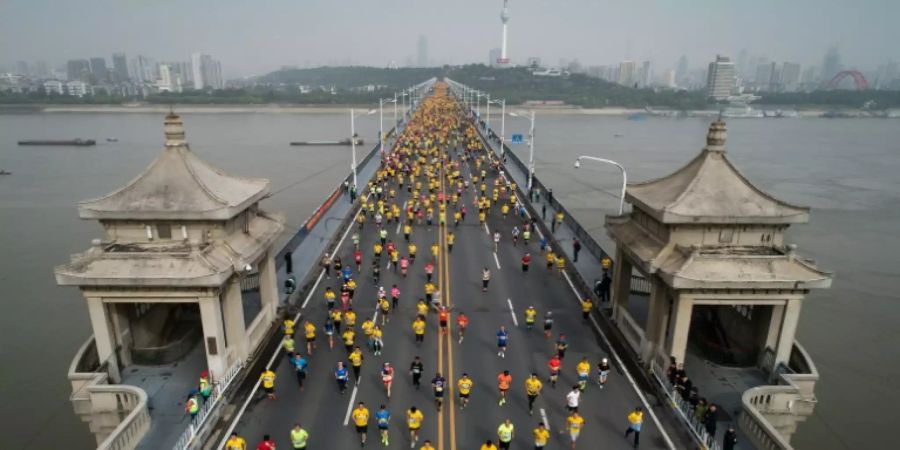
[846, 170]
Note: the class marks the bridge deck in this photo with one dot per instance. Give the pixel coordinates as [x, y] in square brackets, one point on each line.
[323, 411]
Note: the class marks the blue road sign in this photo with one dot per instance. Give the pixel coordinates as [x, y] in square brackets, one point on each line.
[517, 139]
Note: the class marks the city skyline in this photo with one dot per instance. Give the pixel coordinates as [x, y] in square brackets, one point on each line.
[253, 40]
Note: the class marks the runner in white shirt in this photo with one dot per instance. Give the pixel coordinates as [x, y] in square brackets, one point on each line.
[572, 398]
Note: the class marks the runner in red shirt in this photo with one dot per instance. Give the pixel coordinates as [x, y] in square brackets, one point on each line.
[555, 364]
[443, 316]
[461, 323]
[266, 444]
[526, 261]
[357, 256]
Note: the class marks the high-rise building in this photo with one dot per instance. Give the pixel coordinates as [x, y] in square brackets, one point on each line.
[169, 80]
[763, 76]
[143, 69]
[120, 67]
[422, 51]
[774, 78]
[720, 78]
[41, 70]
[207, 72]
[831, 64]
[790, 77]
[22, 68]
[644, 75]
[99, 72]
[626, 73]
[681, 72]
[504, 18]
[494, 56]
[668, 79]
[78, 70]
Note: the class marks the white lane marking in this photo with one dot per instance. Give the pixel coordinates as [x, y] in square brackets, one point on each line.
[512, 312]
[624, 370]
[253, 391]
[486, 229]
[544, 418]
[398, 228]
[497, 260]
[350, 405]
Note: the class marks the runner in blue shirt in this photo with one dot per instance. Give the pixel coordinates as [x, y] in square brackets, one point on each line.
[341, 374]
[300, 364]
[502, 337]
[382, 418]
[438, 383]
[347, 272]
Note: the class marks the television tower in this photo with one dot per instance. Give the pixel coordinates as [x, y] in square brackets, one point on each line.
[504, 17]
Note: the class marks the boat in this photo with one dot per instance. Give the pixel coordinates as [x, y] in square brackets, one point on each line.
[341, 142]
[741, 111]
[4, 172]
[73, 142]
[112, 139]
[618, 135]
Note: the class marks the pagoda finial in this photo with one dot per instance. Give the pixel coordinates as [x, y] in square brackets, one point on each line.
[715, 138]
[174, 129]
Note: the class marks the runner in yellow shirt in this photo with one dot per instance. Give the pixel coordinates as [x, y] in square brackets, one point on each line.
[541, 436]
[289, 327]
[583, 369]
[268, 383]
[310, 330]
[348, 335]
[350, 318]
[418, 327]
[235, 442]
[356, 360]
[574, 423]
[533, 388]
[361, 420]
[530, 316]
[586, 306]
[465, 388]
[414, 419]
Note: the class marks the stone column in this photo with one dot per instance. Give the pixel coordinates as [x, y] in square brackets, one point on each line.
[104, 338]
[621, 288]
[657, 318]
[268, 286]
[235, 329]
[122, 328]
[681, 326]
[213, 335]
[788, 330]
[775, 319]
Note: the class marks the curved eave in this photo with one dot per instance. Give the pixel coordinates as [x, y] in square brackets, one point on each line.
[223, 213]
[678, 282]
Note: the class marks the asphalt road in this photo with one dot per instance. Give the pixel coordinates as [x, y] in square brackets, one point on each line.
[322, 410]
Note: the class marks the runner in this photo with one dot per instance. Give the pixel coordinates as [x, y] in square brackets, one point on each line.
[336, 316]
[329, 331]
[502, 340]
[635, 420]
[418, 327]
[361, 420]
[350, 318]
[289, 327]
[443, 316]
[404, 266]
[310, 330]
[533, 388]
[266, 443]
[515, 235]
[438, 383]
[488, 445]
[341, 375]
[562, 343]
[573, 398]
[451, 238]
[377, 341]
[465, 388]
[395, 296]
[367, 328]
[356, 360]
[485, 279]
[383, 419]
[586, 306]
[462, 322]
[385, 309]
[426, 446]
[299, 437]
[548, 324]
[541, 436]
[505, 434]
[504, 380]
[387, 377]
[530, 315]
[416, 369]
[268, 383]
[602, 372]
[414, 419]
[555, 364]
[496, 241]
[574, 423]
[300, 364]
[329, 297]
[235, 442]
[348, 335]
[526, 261]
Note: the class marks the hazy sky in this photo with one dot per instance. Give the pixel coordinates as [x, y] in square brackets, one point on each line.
[251, 37]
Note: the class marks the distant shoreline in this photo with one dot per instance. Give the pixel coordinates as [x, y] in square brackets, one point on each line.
[318, 109]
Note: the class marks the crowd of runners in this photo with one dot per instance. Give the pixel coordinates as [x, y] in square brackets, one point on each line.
[437, 171]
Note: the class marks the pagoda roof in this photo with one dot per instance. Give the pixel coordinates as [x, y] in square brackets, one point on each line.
[711, 190]
[716, 266]
[178, 185]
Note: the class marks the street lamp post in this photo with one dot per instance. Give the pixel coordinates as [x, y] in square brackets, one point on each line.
[530, 146]
[353, 115]
[624, 176]
[502, 103]
[381, 102]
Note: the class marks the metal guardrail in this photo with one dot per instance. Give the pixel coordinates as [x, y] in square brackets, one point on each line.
[135, 425]
[684, 410]
[196, 426]
[640, 285]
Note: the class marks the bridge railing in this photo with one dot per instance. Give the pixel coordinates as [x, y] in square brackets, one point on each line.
[684, 410]
[216, 398]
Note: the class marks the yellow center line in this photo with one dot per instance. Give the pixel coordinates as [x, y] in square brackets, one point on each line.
[440, 337]
[447, 299]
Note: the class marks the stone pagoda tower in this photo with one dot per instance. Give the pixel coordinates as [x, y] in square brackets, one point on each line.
[179, 240]
[706, 237]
